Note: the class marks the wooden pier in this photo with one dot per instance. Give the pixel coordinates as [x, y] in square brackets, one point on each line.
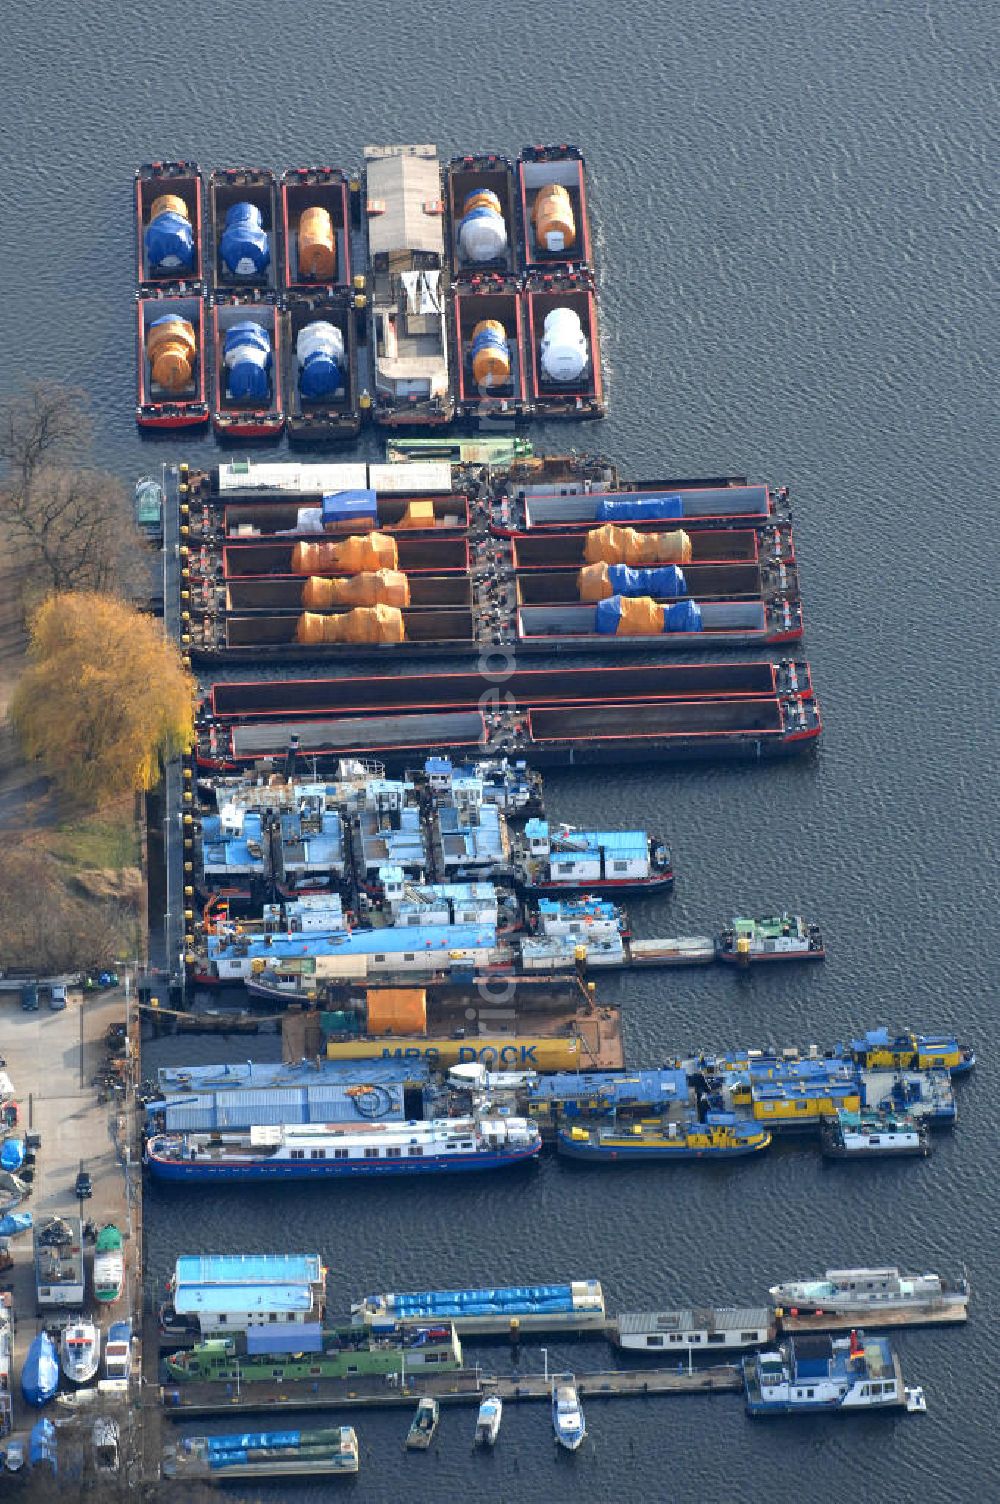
[468, 1386]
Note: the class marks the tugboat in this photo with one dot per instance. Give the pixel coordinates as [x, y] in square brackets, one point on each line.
[567, 1416]
[424, 1424]
[820, 1373]
[873, 1135]
[488, 1421]
[779, 937]
[721, 1136]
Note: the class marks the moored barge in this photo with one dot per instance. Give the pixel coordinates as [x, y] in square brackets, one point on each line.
[492, 378]
[555, 219]
[414, 515]
[243, 228]
[168, 221]
[248, 391]
[172, 359]
[319, 342]
[873, 1296]
[720, 1136]
[482, 214]
[563, 340]
[573, 506]
[315, 229]
[781, 937]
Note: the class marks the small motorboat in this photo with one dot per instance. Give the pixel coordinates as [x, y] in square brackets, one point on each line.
[567, 1417]
[488, 1422]
[916, 1400]
[118, 1351]
[423, 1425]
[76, 1399]
[80, 1351]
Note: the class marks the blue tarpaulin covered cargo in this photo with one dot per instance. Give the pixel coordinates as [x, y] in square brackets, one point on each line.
[667, 581]
[639, 508]
[638, 616]
[350, 507]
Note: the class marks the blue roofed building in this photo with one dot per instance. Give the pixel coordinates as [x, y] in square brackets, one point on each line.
[220, 1294]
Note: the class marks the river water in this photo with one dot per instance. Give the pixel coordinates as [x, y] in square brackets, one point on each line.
[792, 212]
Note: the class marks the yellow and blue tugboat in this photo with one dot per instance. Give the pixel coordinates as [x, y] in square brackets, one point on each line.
[720, 1136]
[878, 1050]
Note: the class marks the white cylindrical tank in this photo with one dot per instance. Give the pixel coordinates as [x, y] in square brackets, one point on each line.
[482, 234]
[564, 353]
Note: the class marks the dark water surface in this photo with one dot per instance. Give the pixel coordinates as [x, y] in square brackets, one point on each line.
[792, 213]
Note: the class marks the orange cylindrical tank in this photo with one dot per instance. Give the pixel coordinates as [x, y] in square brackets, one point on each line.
[552, 216]
[317, 244]
[347, 556]
[490, 353]
[169, 203]
[171, 348]
[383, 587]
[397, 1010]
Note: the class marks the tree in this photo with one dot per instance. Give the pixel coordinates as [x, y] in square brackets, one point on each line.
[103, 698]
[45, 926]
[71, 524]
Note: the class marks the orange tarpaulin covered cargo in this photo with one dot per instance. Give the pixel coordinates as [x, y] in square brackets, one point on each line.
[418, 514]
[363, 624]
[397, 1010]
[386, 587]
[355, 555]
[624, 545]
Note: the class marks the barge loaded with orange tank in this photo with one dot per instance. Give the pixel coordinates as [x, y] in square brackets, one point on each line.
[171, 346]
[549, 717]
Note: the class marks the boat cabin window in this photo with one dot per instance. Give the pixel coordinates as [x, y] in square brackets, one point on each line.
[341, 1153]
[466, 1143]
[298, 1154]
[315, 1371]
[655, 1341]
[409, 955]
[716, 1337]
[749, 1336]
[415, 1153]
[393, 1153]
[371, 1154]
[380, 957]
[810, 1393]
[317, 1153]
[620, 866]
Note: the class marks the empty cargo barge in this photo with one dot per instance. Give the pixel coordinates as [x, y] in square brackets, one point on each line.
[576, 717]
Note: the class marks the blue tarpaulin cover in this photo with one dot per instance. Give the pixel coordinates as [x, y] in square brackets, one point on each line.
[245, 247]
[685, 616]
[639, 508]
[350, 506]
[667, 581]
[170, 243]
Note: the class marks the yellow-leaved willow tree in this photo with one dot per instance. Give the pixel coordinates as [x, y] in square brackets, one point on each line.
[104, 697]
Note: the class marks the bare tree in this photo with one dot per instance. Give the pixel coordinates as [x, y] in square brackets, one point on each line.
[72, 525]
[47, 927]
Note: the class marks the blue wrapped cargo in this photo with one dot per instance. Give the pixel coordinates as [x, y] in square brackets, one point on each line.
[685, 616]
[248, 359]
[350, 507]
[639, 508]
[245, 246]
[42, 1444]
[247, 1441]
[664, 583]
[169, 241]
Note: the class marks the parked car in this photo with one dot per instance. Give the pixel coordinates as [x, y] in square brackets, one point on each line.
[57, 997]
[29, 997]
[15, 1456]
[84, 1187]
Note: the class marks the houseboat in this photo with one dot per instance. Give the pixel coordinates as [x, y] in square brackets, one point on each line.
[564, 345]
[311, 1152]
[248, 401]
[408, 284]
[319, 341]
[211, 1295]
[780, 937]
[866, 1295]
[720, 1136]
[878, 1050]
[695, 1331]
[315, 229]
[492, 378]
[874, 1135]
[243, 228]
[482, 215]
[555, 220]
[561, 859]
[168, 224]
[817, 1373]
[118, 1352]
[172, 361]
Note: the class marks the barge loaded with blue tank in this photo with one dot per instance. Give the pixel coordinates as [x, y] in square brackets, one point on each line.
[246, 341]
[244, 1456]
[319, 340]
[578, 1305]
